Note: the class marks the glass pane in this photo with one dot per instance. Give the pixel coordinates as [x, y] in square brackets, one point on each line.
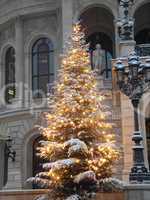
[51, 62]
[104, 74]
[35, 46]
[35, 66]
[10, 65]
[51, 78]
[43, 81]
[35, 83]
[43, 47]
[43, 63]
[37, 160]
[108, 65]
[109, 74]
[10, 75]
[109, 58]
[148, 138]
[104, 60]
[50, 44]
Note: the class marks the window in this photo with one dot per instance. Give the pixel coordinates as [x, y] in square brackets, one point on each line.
[3, 165]
[42, 66]
[10, 75]
[37, 160]
[148, 138]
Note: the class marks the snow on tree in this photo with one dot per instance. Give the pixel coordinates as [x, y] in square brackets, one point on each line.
[79, 142]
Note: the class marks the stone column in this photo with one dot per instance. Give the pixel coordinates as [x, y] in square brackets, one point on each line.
[67, 15]
[2, 146]
[126, 47]
[14, 180]
[19, 61]
[2, 75]
[117, 40]
[127, 121]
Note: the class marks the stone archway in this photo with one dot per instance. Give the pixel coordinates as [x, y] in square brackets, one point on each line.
[142, 24]
[147, 129]
[98, 26]
[27, 162]
[142, 29]
[144, 122]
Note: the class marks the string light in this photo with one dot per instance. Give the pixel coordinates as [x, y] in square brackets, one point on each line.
[76, 113]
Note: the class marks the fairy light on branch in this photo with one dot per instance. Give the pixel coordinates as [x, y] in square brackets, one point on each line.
[77, 131]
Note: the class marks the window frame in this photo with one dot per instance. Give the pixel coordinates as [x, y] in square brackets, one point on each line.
[10, 63]
[37, 53]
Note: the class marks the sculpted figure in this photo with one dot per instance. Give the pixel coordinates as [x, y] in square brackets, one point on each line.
[97, 59]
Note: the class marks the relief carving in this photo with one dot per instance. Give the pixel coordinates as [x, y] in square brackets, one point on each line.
[7, 34]
[38, 25]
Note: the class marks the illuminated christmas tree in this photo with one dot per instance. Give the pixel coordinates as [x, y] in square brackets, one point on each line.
[80, 144]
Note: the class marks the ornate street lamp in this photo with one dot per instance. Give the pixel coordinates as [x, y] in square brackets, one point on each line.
[134, 80]
[120, 71]
[6, 153]
[125, 25]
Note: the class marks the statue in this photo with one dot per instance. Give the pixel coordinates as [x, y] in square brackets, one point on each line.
[97, 62]
[97, 59]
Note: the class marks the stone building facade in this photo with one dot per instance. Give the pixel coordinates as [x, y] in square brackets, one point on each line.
[26, 24]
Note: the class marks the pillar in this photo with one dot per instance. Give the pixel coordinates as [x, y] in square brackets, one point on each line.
[126, 47]
[127, 121]
[2, 146]
[19, 61]
[117, 39]
[67, 15]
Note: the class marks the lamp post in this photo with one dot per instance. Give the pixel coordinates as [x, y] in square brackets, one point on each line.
[134, 80]
[6, 152]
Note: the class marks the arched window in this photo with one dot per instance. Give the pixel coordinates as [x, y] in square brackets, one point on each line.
[147, 120]
[10, 74]
[142, 29]
[37, 160]
[42, 66]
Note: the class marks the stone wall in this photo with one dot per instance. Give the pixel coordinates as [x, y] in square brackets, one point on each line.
[127, 124]
[16, 128]
[131, 192]
[38, 19]
[33, 194]
[2, 149]
[21, 195]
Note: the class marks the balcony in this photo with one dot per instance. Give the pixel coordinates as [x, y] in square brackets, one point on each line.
[143, 50]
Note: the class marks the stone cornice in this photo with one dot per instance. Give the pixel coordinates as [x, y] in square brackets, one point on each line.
[8, 114]
[11, 10]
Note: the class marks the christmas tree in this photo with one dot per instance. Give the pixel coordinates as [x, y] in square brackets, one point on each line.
[79, 144]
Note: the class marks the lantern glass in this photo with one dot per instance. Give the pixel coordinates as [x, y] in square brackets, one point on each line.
[134, 64]
[9, 141]
[120, 68]
[134, 71]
